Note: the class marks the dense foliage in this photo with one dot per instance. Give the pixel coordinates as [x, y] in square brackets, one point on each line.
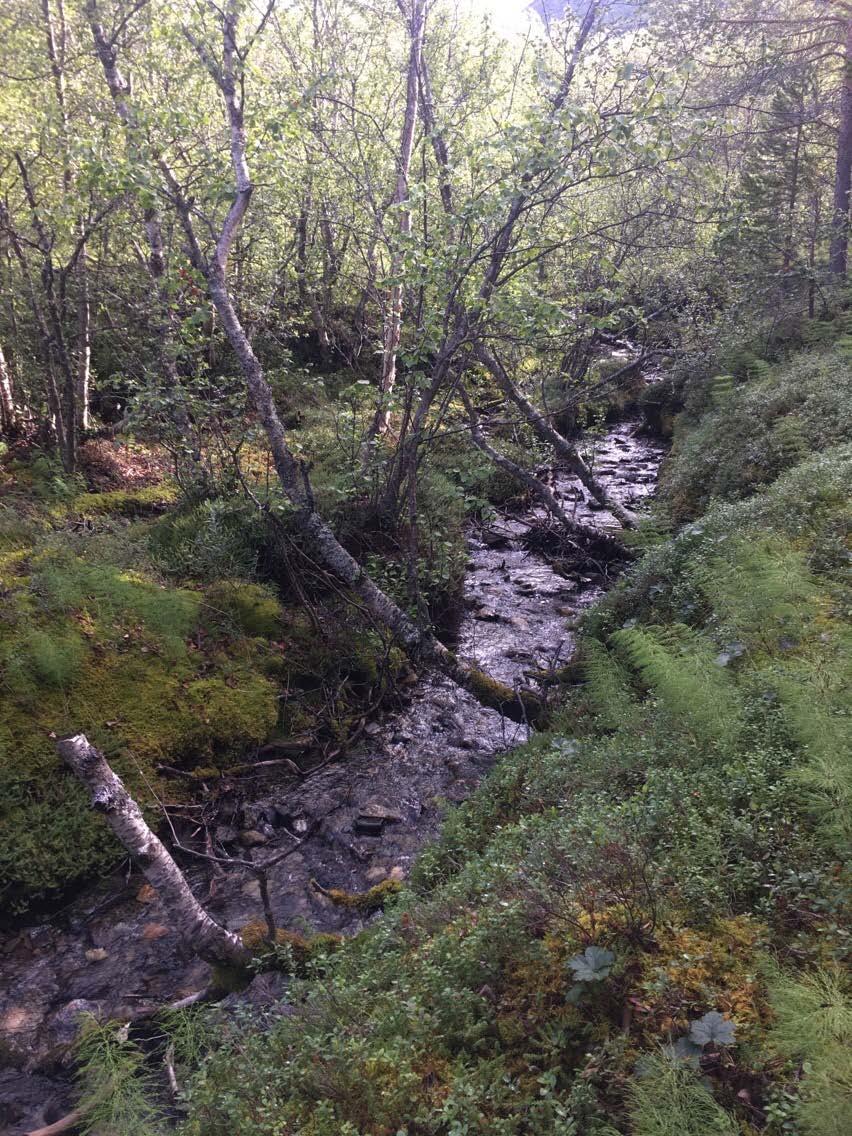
[653, 890]
[292, 292]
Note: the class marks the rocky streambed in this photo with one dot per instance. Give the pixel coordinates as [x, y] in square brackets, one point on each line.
[350, 825]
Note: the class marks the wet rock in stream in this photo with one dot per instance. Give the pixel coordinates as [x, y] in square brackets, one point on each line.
[351, 824]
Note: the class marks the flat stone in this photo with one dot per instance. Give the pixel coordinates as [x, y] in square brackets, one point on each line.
[251, 888]
[153, 931]
[379, 810]
[251, 838]
[487, 615]
[97, 954]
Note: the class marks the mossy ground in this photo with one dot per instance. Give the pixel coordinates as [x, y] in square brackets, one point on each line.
[100, 633]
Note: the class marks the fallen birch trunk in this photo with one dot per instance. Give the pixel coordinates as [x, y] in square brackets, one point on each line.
[210, 941]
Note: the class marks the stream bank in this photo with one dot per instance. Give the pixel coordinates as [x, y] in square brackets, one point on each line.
[351, 825]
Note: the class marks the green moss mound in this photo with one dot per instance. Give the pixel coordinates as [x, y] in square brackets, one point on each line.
[760, 426]
[142, 633]
[88, 647]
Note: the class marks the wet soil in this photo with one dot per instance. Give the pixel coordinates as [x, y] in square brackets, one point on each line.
[352, 824]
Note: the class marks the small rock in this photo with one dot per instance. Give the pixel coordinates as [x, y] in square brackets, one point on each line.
[293, 822]
[97, 954]
[251, 838]
[65, 1023]
[381, 811]
[251, 888]
[487, 615]
[376, 875]
[225, 834]
[492, 539]
[152, 931]
[372, 728]
[397, 872]
[368, 826]
[146, 894]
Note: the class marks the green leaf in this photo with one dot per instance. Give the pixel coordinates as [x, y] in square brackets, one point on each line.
[593, 965]
[712, 1029]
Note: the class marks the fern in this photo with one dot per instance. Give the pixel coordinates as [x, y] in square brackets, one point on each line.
[757, 370]
[607, 685]
[668, 1099]
[759, 590]
[678, 668]
[818, 333]
[813, 1023]
[721, 387]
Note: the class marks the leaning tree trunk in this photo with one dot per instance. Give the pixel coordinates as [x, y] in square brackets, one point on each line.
[536, 487]
[420, 646]
[551, 436]
[839, 249]
[202, 934]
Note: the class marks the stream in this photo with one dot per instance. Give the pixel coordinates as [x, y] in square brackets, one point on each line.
[352, 824]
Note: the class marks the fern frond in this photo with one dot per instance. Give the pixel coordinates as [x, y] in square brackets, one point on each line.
[678, 667]
[607, 685]
[721, 387]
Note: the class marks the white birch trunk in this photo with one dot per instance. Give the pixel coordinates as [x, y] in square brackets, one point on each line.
[8, 410]
[202, 934]
[393, 312]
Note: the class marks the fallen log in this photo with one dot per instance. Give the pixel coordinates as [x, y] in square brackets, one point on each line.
[202, 934]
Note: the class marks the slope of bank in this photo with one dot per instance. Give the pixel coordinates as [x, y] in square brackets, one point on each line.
[639, 922]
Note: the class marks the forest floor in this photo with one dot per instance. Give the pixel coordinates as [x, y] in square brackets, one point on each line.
[354, 823]
[638, 921]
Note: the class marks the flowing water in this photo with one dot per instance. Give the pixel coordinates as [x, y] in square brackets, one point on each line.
[112, 952]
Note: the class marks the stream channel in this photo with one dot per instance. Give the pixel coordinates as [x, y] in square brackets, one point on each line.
[112, 952]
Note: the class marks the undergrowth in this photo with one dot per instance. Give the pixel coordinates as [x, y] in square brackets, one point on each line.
[639, 923]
